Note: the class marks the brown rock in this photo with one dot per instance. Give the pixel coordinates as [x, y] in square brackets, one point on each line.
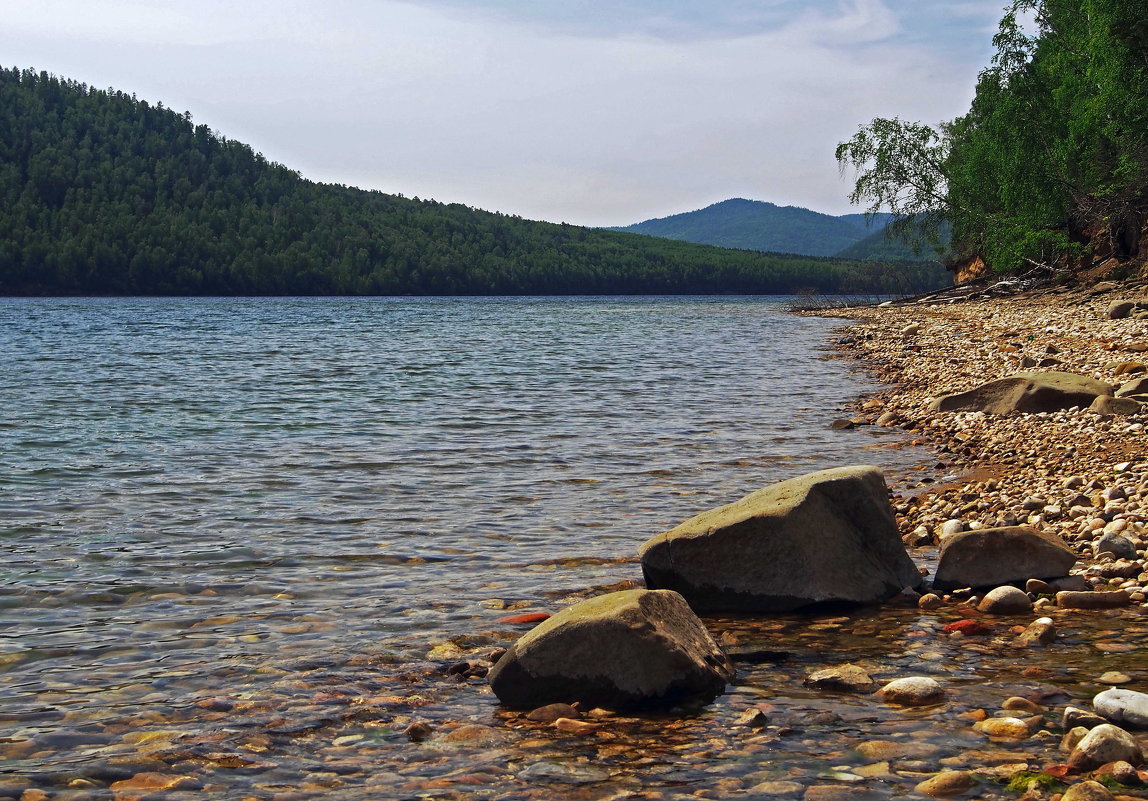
[1087, 791]
[912, 691]
[825, 537]
[1041, 631]
[1004, 728]
[573, 726]
[885, 750]
[1026, 392]
[1092, 600]
[846, 678]
[1018, 704]
[473, 734]
[947, 783]
[990, 557]
[1103, 744]
[1137, 386]
[1115, 407]
[419, 731]
[1006, 600]
[150, 785]
[624, 649]
[551, 713]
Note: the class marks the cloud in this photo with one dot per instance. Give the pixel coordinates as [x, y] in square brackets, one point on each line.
[501, 109]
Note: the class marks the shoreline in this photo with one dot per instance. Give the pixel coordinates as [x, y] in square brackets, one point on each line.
[1026, 469]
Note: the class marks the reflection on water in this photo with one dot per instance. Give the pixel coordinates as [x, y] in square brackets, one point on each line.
[214, 512]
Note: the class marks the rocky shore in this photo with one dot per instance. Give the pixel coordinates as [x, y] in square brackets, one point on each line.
[1076, 473]
[1014, 672]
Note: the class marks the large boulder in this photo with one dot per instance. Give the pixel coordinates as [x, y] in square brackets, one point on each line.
[990, 557]
[826, 537]
[1026, 392]
[639, 648]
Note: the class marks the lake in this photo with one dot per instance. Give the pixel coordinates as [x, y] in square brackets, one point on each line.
[206, 497]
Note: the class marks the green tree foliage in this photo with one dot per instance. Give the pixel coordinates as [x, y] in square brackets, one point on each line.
[1054, 150]
[104, 194]
[900, 168]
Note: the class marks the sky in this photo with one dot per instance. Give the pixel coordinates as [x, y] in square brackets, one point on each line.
[592, 112]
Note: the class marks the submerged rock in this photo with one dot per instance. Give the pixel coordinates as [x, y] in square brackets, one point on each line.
[1087, 791]
[625, 649]
[995, 556]
[1026, 392]
[846, 678]
[947, 783]
[826, 537]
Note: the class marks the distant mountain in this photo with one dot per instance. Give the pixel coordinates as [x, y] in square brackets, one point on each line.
[879, 246]
[757, 225]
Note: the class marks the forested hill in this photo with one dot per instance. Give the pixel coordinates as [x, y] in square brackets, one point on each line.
[757, 225]
[103, 194]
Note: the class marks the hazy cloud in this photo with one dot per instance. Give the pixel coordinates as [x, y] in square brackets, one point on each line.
[585, 111]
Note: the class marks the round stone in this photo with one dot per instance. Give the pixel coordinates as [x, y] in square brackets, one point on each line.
[1006, 600]
[913, 691]
[947, 783]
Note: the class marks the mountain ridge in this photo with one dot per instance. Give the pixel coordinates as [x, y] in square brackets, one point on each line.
[770, 228]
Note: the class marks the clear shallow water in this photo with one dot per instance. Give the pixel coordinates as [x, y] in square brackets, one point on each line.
[193, 493]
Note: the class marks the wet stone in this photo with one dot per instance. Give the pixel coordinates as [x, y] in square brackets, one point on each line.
[913, 691]
[1087, 791]
[1008, 728]
[1005, 600]
[551, 713]
[563, 772]
[947, 783]
[846, 678]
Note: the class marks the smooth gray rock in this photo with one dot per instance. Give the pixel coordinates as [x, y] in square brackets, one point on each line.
[1026, 392]
[826, 537]
[639, 648]
[1126, 707]
[1116, 544]
[990, 557]
[1106, 743]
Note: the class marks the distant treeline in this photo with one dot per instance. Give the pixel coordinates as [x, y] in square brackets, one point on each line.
[101, 193]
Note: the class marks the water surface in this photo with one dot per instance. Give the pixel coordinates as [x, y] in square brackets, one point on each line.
[197, 493]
